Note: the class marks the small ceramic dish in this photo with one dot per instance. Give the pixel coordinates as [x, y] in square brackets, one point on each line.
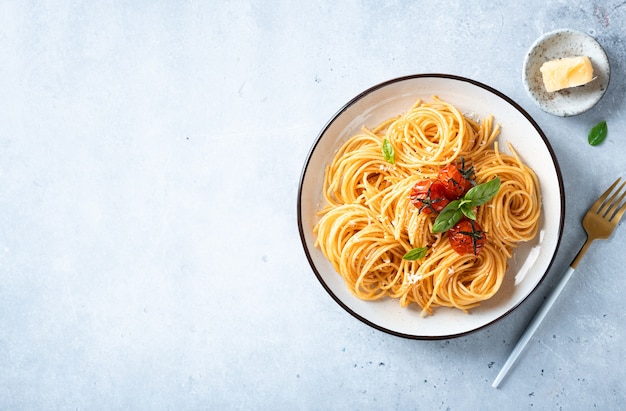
[559, 44]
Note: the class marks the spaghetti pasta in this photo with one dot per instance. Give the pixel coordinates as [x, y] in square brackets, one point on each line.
[369, 223]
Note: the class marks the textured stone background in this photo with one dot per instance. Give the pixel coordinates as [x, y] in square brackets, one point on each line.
[150, 154]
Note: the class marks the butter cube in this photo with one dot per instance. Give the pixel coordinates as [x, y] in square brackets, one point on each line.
[566, 72]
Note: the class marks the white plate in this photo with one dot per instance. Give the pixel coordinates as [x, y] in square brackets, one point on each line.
[530, 262]
[566, 43]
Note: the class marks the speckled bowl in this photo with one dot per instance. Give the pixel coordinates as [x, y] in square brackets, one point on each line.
[566, 43]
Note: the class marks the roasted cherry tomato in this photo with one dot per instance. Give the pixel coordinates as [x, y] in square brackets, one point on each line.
[456, 180]
[466, 237]
[429, 196]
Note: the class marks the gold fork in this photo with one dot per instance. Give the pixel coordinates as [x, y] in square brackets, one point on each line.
[599, 223]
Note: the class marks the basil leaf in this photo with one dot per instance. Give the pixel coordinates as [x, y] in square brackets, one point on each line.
[388, 152]
[598, 133]
[415, 254]
[482, 193]
[468, 211]
[448, 217]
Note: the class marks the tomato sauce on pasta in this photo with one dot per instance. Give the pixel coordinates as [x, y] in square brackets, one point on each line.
[368, 222]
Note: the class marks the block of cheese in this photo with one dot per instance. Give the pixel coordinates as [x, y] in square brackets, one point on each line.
[566, 72]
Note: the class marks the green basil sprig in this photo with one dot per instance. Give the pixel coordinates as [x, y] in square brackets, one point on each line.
[464, 206]
[388, 152]
[415, 254]
[598, 133]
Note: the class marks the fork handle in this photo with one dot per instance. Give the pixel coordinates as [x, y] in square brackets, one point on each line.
[534, 324]
[540, 315]
[580, 254]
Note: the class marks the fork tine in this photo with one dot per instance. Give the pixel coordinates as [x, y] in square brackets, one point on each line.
[597, 206]
[612, 203]
[620, 211]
